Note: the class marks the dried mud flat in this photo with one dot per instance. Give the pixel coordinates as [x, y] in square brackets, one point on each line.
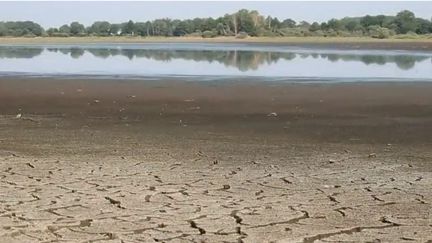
[214, 177]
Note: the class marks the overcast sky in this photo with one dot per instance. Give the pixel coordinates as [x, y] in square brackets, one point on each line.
[53, 14]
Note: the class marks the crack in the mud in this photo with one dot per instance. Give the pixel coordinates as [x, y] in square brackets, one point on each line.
[115, 202]
[53, 210]
[171, 238]
[195, 226]
[242, 234]
[291, 221]
[350, 231]
[341, 210]
[375, 198]
[332, 198]
[284, 179]
[237, 218]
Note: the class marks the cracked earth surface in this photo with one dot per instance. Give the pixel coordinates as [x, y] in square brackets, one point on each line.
[158, 171]
[217, 192]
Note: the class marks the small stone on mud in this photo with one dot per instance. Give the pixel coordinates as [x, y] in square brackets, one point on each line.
[372, 155]
[85, 223]
[273, 114]
[258, 192]
[226, 187]
[110, 235]
[30, 165]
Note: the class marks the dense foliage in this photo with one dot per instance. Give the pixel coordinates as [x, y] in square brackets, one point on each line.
[241, 24]
[20, 28]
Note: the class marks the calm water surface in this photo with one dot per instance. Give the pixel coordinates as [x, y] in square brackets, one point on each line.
[215, 60]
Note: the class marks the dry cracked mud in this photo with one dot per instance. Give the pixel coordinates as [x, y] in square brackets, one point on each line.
[81, 178]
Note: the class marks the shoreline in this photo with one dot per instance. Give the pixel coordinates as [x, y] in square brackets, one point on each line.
[209, 79]
[327, 42]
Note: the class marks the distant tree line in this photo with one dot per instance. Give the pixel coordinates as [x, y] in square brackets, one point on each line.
[240, 24]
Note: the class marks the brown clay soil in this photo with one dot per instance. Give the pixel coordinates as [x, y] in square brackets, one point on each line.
[164, 161]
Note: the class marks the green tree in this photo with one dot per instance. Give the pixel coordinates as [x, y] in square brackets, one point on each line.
[406, 22]
[114, 29]
[368, 20]
[100, 28]
[248, 22]
[314, 27]
[423, 26]
[379, 32]
[129, 28]
[352, 25]
[220, 29]
[52, 31]
[335, 24]
[65, 29]
[3, 29]
[288, 23]
[245, 21]
[161, 27]
[77, 29]
[181, 29]
[140, 29]
[21, 28]
[304, 24]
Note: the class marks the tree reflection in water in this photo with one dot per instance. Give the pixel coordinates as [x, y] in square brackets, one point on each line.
[243, 60]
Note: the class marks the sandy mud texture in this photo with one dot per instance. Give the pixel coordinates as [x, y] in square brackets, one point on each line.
[117, 161]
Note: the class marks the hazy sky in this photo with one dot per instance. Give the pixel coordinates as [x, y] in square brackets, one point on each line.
[50, 14]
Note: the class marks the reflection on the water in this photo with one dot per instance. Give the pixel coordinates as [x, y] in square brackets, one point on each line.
[243, 60]
[22, 52]
[404, 62]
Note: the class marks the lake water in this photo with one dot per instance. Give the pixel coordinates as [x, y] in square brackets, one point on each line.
[206, 61]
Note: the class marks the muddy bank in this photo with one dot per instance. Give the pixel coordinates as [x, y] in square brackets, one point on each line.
[424, 44]
[342, 113]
